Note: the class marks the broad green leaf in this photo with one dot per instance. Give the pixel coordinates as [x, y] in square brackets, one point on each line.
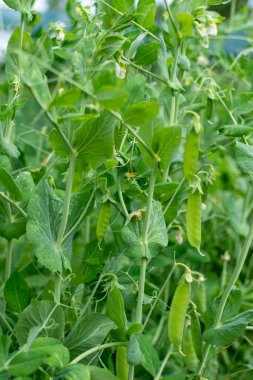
[57, 355]
[89, 331]
[150, 360]
[112, 98]
[185, 22]
[235, 130]
[5, 343]
[8, 147]
[46, 315]
[25, 363]
[93, 141]
[244, 103]
[16, 292]
[13, 57]
[120, 5]
[244, 157]
[110, 46]
[23, 6]
[147, 54]
[228, 332]
[11, 229]
[25, 183]
[9, 185]
[166, 143]
[116, 312]
[134, 354]
[44, 51]
[43, 226]
[140, 113]
[97, 373]
[66, 97]
[132, 234]
[73, 372]
[58, 143]
[146, 10]
[38, 83]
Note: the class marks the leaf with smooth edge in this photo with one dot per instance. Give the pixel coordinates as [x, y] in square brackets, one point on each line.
[25, 183]
[134, 354]
[235, 130]
[43, 221]
[147, 54]
[156, 237]
[185, 22]
[244, 157]
[112, 98]
[97, 373]
[25, 363]
[8, 183]
[73, 372]
[150, 359]
[58, 144]
[146, 10]
[5, 342]
[120, 5]
[89, 331]
[140, 113]
[165, 144]
[244, 103]
[230, 331]
[93, 141]
[16, 292]
[11, 229]
[44, 314]
[57, 355]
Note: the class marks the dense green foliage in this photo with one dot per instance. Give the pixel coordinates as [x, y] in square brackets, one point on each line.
[126, 162]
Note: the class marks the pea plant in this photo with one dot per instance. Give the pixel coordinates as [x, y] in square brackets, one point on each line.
[126, 200]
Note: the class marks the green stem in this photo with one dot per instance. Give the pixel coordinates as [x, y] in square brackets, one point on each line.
[232, 13]
[143, 264]
[163, 365]
[122, 202]
[8, 263]
[95, 349]
[14, 204]
[238, 268]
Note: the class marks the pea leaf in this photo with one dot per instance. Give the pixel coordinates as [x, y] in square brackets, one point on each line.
[16, 292]
[134, 354]
[20, 5]
[25, 184]
[11, 229]
[5, 343]
[25, 363]
[147, 54]
[57, 355]
[45, 315]
[58, 143]
[93, 141]
[97, 373]
[112, 98]
[140, 113]
[244, 157]
[8, 183]
[146, 10]
[229, 331]
[157, 234]
[244, 103]
[150, 360]
[185, 22]
[66, 98]
[165, 144]
[74, 371]
[43, 221]
[89, 331]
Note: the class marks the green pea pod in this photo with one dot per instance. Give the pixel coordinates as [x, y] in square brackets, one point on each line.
[196, 335]
[121, 363]
[190, 357]
[209, 108]
[178, 311]
[200, 298]
[191, 155]
[193, 219]
[103, 220]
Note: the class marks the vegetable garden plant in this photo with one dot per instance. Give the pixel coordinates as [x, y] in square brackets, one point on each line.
[122, 137]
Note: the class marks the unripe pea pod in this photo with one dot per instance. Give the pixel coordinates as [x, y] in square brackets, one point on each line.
[196, 334]
[103, 220]
[121, 363]
[193, 219]
[190, 357]
[200, 298]
[178, 311]
[191, 155]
